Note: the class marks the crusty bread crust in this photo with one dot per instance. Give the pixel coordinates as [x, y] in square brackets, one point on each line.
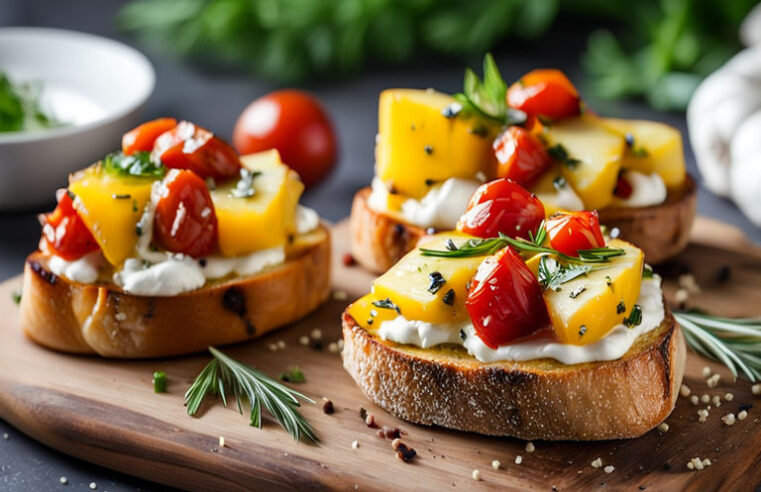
[103, 319]
[539, 399]
[661, 231]
[379, 240]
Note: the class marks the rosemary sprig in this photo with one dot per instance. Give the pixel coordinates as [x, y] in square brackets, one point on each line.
[224, 373]
[736, 343]
[552, 274]
[488, 246]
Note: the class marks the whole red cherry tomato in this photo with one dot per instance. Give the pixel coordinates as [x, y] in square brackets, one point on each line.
[502, 206]
[188, 146]
[65, 233]
[141, 138]
[574, 231]
[520, 156]
[505, 300]
[185, 220]
[294, 123]
[544, 92]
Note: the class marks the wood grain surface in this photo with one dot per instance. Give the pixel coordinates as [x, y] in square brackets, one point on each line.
[106, 411]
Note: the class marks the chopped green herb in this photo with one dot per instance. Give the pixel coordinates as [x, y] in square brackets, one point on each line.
[621, 308]
[20, 108]
[159, 382]
[386, 304]
[647, 271]
[437, 281]
[487, 98]
[16, 296]
[634, 318]
[293, 375]
[448, 298]
[138, 164]
[640, 152]
[552, 274]
[559, 153]
[451, 246]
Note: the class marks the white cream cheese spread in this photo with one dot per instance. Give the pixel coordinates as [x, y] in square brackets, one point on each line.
[647, 190]
[611, 347]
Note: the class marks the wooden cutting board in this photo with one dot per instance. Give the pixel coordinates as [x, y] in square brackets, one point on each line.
[106, 412]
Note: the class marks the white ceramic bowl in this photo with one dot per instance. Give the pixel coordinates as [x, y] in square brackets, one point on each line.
[95, 84]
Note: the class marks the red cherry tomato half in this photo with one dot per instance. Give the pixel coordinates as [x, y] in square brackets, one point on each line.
[294, 123]
[65, 233]
[185, 220]
[502, 206]
[141, 138]
[188, 146]
[623, 188]
[520, 156]
[545, 92]
[505, 300]
[571, 232]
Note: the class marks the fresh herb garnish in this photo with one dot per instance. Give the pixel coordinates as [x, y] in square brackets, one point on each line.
[647, 271]
[159, 382]
[487, 98]
[16, 296]
[20, 108]
[621, 308]
[386, 304]
[224, 373]
[734, 342]
[448, 298]
[437, 281]
[552, 274]
[559, 153]
[634, 318]
[489, 246]
[541, 235]
[293, 375]
[138, 164]
[245, 186]
[640, 152]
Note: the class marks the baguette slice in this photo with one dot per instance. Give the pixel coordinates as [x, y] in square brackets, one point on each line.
[539, 399]
[105, 320]
[379, 240]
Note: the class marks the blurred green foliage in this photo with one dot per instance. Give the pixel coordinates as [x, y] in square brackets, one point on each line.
[666, 46]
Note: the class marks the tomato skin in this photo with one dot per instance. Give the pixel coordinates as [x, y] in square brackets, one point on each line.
[571, 232]
[623, 188]
[65, 233]
[294, 123]
[185, 220]
[505, 300]
[188, 146]
[142, 137]
[545, 92]
[520, 156]
[502, 206]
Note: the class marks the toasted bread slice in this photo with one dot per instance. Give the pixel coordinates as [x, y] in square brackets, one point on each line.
[103, 319]
[538, 399]
[379, 240]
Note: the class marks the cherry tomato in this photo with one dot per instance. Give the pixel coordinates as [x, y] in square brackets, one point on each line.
[185, 220]
[571, 232]
[520, 156]
[294, 123]
[141, 138]
[505, 300]
[502, 206]
[623, 188]
[65, 233]
[545, 92]
[188, 146]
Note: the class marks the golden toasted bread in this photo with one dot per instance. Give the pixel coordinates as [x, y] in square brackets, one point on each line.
[538, 399]
[103, 319]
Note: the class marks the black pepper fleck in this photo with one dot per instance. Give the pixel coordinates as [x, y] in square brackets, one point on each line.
[582, 330]
[436, 282]
[621, 308]
[428, 149]
[448, 298]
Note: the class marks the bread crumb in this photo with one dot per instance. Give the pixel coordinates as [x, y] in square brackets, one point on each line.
[694, 399]
[729, 397]
[756, 389]
[687, 281]
[273, 347]
[332, 347]
[705, 398]
[697, 463]
[742, 415]
[340, 295]
[681, 296]
[597, 463]
[706, 462]
[518, 460]
[706, 371]
[663, 428]
[609, 469]
[316, 334]
[304, 340]
[713, 381]
[281, 344]
[221, 441]
[716, 400]
[476, 475]
[355, 445]
[684, 390]
[691, 465]
[530, 448]
[495, 464]
[728, 419]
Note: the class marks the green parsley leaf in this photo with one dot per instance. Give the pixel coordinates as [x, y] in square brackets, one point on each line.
[138, 164]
